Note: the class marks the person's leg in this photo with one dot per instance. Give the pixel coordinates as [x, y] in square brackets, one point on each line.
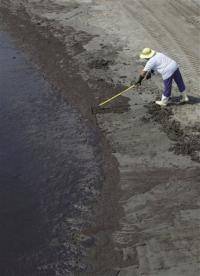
[179, 80]
[166, 92]
[181, 85]
[167, 87]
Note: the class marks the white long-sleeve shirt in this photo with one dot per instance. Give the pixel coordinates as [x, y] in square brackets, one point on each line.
[162, 64]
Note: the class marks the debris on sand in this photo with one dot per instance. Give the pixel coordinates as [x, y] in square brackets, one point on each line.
[186, 144]
[189, 145]
[100, 63]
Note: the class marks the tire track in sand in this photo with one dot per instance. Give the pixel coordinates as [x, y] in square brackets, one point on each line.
[167, 40]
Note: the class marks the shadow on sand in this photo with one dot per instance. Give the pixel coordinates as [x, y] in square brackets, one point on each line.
[177, 101]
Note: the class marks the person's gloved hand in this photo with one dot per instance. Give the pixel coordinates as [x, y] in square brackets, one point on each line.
[139, 81]
[148, 76]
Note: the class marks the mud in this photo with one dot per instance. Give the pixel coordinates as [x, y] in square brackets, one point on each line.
[100, 63]
[185, 144]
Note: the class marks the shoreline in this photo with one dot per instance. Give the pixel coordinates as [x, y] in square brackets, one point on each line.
[101, 223]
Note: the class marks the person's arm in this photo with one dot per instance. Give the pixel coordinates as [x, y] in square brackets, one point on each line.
[143, 75]
[146, 72]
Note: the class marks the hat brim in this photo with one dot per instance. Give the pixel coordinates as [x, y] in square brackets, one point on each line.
[142, 56]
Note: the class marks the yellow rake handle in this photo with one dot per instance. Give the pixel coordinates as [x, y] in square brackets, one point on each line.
[112, 98]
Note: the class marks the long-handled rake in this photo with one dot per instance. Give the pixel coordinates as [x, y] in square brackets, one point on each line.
[99, 108]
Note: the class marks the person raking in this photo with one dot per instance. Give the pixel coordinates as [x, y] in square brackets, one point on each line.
[168, 68]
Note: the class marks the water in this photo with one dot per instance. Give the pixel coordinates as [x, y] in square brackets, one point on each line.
[50, 170]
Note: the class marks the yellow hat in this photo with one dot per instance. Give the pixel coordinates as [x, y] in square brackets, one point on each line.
[147, 53]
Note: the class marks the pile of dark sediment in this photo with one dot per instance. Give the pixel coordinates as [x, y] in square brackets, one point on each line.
[186, 144]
